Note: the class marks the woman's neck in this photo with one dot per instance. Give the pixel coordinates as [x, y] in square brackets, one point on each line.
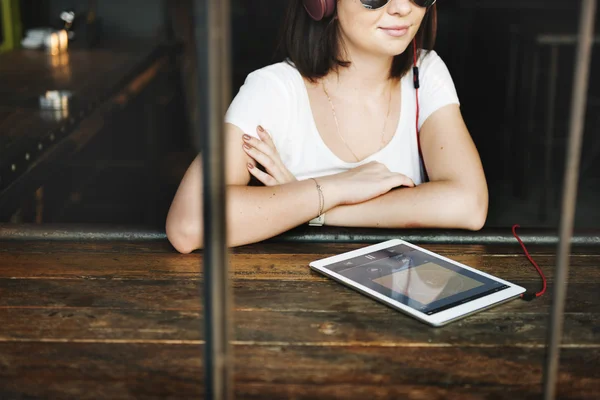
[367, 76]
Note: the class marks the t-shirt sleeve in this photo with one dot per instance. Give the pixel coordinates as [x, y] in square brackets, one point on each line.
[261, 100]
[437, 87]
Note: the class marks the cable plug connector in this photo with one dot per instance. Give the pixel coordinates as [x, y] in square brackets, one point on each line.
[528, 296]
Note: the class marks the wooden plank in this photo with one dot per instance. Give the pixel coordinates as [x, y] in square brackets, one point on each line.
[27, 74]
[327, 249]
[252, 266]
[147, 370]
[380, 327]
[103, 247]
[256, 295]
[322, 249]
[409, 391]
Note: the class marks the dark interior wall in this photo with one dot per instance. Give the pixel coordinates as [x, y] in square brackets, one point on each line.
[506, 83]
[120, 18]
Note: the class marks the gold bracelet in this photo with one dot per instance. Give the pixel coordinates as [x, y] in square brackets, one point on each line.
[321, 197]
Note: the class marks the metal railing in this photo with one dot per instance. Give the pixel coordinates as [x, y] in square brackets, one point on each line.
[576, 123]
[215, 16]
[214, 30]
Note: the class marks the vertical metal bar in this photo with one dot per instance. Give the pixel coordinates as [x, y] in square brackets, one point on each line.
[578, 106]
[520, 155]
[533, 105]
[511, 94]
[533, 93]
[546, 191]
[167, 21]
[212, 20]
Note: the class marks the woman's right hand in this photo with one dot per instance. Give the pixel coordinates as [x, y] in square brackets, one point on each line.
[364, 183]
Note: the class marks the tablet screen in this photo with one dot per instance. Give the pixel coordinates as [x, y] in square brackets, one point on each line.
[416, 279]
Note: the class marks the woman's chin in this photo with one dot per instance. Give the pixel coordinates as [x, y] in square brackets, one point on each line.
[387, 50]
[393, 51]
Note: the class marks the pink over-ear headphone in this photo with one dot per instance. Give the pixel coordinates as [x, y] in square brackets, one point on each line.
[319, 9]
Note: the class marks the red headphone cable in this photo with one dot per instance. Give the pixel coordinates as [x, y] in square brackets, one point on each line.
[528, 296]
[417, 85]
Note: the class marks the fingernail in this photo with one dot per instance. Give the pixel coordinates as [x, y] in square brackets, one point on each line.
[246, 146]
[260, 128]
[250, 166]
[246, 137]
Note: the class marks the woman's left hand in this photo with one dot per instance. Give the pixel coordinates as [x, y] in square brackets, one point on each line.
[263, 151]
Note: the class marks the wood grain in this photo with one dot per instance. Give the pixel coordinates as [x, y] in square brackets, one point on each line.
[269, 311]
[125, 320]
[26, 74]
[146, 370]
[311, 296]
[163, 246]
[277, 266]
[377, 328]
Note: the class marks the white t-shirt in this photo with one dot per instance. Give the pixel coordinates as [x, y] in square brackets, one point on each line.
[276, 98]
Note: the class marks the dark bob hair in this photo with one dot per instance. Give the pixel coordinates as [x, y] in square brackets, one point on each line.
[314, 46]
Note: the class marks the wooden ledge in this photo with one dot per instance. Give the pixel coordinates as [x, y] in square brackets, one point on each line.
[487, 236]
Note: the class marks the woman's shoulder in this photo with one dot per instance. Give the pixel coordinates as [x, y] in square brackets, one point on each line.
[433, 68]
[278, 76]
[428, 58]
[265, 98]
[437, 86]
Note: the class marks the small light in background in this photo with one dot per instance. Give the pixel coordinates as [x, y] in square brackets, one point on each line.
[53, 43]
[57, 42]
[63, 40]
[55, 104]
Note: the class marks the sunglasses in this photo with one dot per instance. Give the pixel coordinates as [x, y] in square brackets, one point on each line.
[375, 4]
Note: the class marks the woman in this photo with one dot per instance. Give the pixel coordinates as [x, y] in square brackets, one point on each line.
[335, 127]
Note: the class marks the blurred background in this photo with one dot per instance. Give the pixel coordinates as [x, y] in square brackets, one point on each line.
[99, 131]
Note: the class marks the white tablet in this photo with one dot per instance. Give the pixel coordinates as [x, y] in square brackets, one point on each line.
[418, 282]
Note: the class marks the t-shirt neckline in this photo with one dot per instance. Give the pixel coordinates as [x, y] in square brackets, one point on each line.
[315, 131]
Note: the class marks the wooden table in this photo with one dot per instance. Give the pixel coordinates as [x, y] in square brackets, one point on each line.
[123, 320]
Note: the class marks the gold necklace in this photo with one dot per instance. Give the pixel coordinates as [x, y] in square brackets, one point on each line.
[338, 126]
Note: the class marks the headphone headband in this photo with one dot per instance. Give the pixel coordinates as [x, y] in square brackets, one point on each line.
[319, 9]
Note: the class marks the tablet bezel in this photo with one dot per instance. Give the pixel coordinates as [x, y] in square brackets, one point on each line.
[438, 319]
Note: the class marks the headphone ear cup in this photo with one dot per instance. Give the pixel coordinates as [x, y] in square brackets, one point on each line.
[319, 9]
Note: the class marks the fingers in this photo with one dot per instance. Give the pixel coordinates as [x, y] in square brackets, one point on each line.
[265, 137]
[265, 178]
[264, 144]
[401, 180]
[264, 152]
[397, 179]
[259, 157]
[380, 172]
